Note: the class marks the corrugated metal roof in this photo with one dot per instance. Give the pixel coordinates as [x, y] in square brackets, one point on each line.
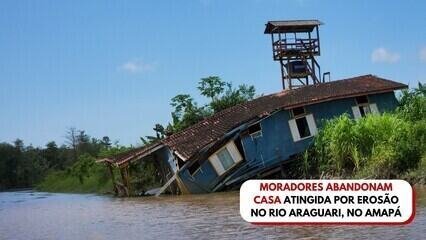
[192, 139]
[291, 26]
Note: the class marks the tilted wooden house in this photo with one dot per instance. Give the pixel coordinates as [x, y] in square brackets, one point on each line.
[259, 137]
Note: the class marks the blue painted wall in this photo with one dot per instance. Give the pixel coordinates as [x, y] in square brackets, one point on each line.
[202, 181]
[386, 102]
[276, 143]
[166, 156]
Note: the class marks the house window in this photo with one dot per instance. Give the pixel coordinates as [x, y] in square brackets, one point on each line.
[255, 130]
[225, 158]
[194, 168]
[363, 107]
[302, 125]
[364, 110]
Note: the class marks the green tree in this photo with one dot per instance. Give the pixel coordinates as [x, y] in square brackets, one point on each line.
[51, 154]
[81, 168]
[106, 142]
[413, 104]
[211, 87]
[232, 97]
[8, 165]
[160, 132]
[186, 113]
[221, 94]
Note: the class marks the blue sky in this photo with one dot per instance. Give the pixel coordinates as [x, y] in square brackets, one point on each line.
[111, 67]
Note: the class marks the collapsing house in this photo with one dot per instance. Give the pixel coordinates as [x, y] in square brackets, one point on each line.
[259, 137]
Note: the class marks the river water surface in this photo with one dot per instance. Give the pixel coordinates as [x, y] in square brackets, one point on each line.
[36, 215]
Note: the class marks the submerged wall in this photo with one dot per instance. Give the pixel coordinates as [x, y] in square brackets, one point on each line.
[202, 181]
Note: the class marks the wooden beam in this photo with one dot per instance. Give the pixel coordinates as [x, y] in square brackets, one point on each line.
[127, 173]
[282, 73]
[165, 186]
[161, 166]
[125, 182]
[318, 37]
[114, 184]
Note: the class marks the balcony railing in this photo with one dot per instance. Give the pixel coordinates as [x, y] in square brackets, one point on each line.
[295, 47]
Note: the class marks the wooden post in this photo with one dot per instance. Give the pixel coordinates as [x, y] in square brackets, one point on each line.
[289, 80]
[318, 37]
[282, 73]
[123, 177]
[161, 167]
[129, 187]
[111, 172]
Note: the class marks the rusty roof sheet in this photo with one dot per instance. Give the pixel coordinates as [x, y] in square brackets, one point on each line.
[189, 141]
[291, 26]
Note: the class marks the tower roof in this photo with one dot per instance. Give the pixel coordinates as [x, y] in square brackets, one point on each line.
[291, 26]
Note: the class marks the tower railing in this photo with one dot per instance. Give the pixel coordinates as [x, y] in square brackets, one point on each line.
[285, 48]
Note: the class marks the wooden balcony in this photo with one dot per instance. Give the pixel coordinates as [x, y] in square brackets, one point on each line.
[297, 47]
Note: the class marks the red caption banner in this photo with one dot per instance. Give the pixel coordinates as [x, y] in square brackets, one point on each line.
[358, 202]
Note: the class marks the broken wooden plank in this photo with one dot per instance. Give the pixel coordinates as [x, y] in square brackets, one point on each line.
[165, 186]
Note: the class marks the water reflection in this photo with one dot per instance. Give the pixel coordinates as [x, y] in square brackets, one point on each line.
[33, 215]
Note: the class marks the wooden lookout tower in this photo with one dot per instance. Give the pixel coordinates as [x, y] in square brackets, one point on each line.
[295, 44]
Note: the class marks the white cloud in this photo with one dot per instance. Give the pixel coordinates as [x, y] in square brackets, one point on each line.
[137, 66]
[422, 54]
[382, 55]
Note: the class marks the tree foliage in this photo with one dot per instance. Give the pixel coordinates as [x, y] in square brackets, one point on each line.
[211, 87]
[186, 113]
[221, 95]
[232, 96]
[26, 166]
[413, 104]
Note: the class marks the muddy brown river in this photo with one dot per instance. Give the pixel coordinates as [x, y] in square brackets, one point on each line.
[37, 215]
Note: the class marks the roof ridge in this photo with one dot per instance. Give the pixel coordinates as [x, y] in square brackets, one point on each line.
[278, 94]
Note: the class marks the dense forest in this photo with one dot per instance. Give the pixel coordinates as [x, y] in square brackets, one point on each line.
[71, 166]
[26, 166]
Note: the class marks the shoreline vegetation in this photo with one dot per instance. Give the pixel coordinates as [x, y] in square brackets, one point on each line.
[387, 146]
[391, 145]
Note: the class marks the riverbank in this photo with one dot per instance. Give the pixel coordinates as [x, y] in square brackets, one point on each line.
[63, 182]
